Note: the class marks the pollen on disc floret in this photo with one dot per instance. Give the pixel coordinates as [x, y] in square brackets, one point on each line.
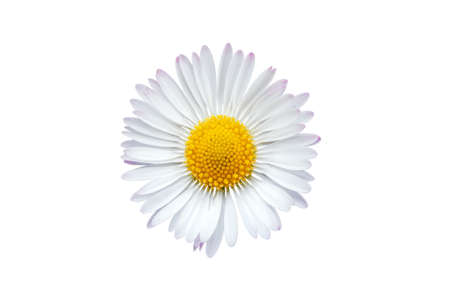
[220, 152]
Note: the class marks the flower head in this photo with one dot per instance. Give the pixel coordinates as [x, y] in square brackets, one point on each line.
[216, 142]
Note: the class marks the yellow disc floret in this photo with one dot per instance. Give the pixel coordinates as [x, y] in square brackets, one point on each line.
[220, 152]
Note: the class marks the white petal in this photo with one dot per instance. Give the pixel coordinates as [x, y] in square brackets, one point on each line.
[196, 244]
[277, 217]
[174, 94]
[286, 179]
[161, 181]
[151, 141]
[159, 102]
[152, 155]
[261, 228]
[272, 194]
[212, 217]
[153, 118]
[257, 87]
[284, 162]
[131, 162]
[298, 142]
[264, 212]
[197, 67]
[257, 110]
[143, 128]
[301, 173]
[186, 215]
[304, 175]
[209, 73]
[278, 134]
[214, 242]
[288, 151]
[242, 80]
[300, 100]
[150, 172]
[144, 92]
[187, 71]
[227, 54]
[282, 121]
[309, 139]
[230, 221]
[135, 161]
[273, 92]
[305, 116]
[198, 216]
[298, 199]
[244, 212]
[131, 143]
[187, 92]
[181, 216]
[159, 199]
[287, 157]
[172, 208]
[155, 85]
[232, 73]
[270, 108]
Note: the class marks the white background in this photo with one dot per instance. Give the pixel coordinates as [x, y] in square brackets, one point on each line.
[378, 221]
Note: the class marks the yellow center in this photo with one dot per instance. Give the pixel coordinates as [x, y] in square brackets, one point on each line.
[220, 152]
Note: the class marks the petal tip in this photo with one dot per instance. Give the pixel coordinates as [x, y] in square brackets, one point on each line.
[150, 223]
[135, 197]
[140, 87]
[290, 96]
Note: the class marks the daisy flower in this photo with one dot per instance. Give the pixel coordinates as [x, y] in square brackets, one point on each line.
[216, 146]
